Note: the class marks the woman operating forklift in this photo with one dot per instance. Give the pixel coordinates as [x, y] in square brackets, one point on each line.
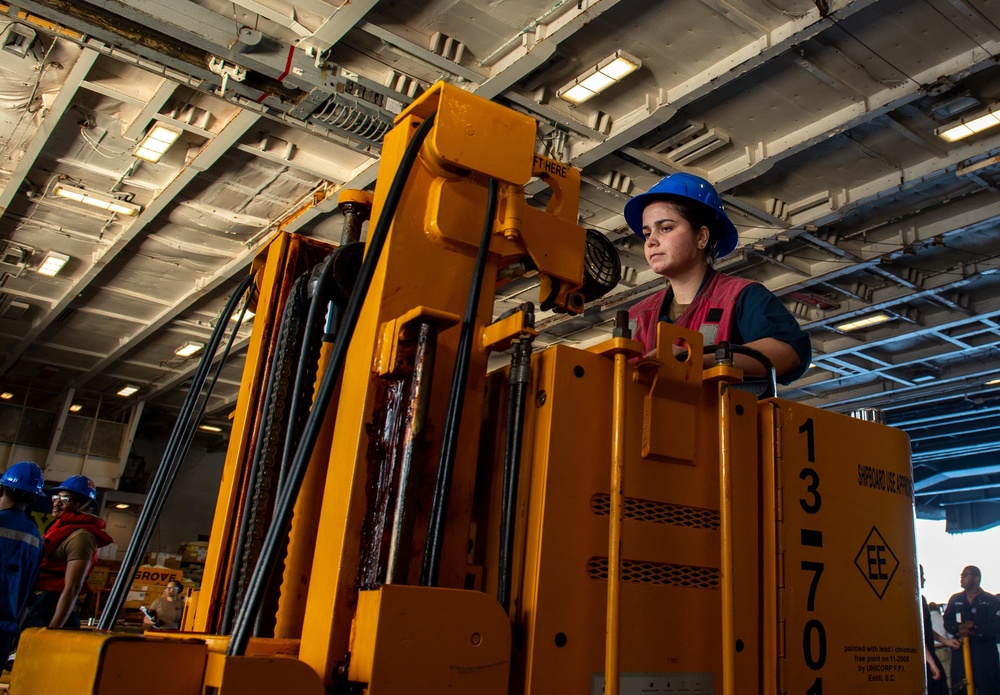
[685, 228]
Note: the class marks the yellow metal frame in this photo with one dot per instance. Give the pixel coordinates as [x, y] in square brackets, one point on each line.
[413, 639]
[76, 662]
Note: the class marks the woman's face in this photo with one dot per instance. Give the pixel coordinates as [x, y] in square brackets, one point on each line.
[672, 247]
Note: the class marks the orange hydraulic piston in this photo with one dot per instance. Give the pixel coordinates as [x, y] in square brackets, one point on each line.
[726, 533]
[611, 667]
[726, 373]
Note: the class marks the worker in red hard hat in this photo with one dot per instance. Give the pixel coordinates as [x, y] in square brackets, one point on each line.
[684, 229]
[20, 547]
[70, 548]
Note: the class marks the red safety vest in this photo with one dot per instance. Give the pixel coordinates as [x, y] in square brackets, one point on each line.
[52, 573]
[711, 313]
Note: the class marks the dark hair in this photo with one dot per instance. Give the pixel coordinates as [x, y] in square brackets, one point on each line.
[19, 496]
[697, 215]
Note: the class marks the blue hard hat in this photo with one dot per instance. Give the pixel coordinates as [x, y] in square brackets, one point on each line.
[25, 476]
[81, 485]
[693, 188]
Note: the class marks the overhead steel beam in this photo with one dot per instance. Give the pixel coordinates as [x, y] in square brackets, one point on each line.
[736, 16]
[177, 376]
[77, 74]
[305, 162]
[843, 393]
[536, 43]
[942, 476]
[971, 517]
[208, 155]
[422, 53]
[737, 172]
[740, 61]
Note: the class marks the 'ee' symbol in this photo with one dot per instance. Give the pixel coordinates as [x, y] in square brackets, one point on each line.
[876, 562]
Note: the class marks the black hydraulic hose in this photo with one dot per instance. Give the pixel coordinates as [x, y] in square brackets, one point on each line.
[285, 502]
[517, 378]
[772, 375]
[188, 436]
[453, 417]
[177, 445]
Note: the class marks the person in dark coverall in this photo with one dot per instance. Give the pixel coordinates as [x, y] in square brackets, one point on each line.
[972, 613]
[20, 547]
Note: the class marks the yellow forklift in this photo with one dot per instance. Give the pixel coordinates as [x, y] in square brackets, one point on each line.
[393, 519]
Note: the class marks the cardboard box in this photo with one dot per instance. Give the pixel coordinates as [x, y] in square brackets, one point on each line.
[143, 595]
[150, 575]
[194, 551]
[98, 578]
[171, 560]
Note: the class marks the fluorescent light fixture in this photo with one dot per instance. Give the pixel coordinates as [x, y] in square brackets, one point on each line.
[75, 408]
[6, 395]
[598, 78]
[952, 107]
[994, 382]
[921, 377]
[210, 428]
[121, 505]
[864, 323]
[247, 316]
[969, 125]
[127, 391]
[97, 200]
[52, 264]
[189, 348]
[157, 141]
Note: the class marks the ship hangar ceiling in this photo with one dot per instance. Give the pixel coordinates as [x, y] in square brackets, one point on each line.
[818, 121]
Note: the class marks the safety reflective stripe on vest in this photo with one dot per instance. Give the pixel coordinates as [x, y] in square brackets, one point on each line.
[712, 311]
[719, 294]
[24, 537]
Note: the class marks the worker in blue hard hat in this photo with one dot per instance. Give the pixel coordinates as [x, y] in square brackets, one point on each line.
[684, 229]
[69, 551]
[20, 547]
